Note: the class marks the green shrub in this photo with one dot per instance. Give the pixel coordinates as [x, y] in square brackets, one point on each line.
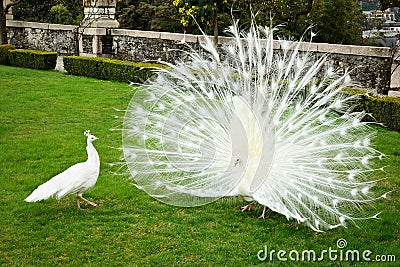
[109, 69]
[60, 14]
[385, 110]
[4, 50]
[33, 59]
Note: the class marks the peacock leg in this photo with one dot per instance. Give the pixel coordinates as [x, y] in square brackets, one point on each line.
[87, 201]
[263, 213]
[248, 206]
[77, 202]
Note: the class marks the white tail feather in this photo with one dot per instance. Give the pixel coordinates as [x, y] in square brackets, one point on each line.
[44, 192]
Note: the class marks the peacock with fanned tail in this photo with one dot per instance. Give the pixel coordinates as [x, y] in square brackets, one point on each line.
[246, 120]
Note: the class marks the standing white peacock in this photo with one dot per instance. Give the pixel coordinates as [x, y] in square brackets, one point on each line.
[77, 179]
[271, 126]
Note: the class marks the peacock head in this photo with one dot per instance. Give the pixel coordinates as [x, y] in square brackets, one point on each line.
[90, 137]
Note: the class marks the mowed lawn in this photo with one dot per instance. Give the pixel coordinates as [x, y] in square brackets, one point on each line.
[43, 116]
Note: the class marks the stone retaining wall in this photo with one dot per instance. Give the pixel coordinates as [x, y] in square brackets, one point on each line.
[371, 65]
[43, 36]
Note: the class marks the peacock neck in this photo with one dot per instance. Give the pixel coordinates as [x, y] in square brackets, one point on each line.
[93, 156]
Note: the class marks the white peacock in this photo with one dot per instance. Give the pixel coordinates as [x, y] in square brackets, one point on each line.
[273, 127]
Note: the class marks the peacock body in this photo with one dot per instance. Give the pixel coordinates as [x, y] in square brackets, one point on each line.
[273, 127]
[76, 179]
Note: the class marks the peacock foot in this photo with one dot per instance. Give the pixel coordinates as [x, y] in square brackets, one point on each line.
[78, 197]
[248, 206]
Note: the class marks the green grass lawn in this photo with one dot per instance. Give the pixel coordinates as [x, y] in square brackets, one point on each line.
[43, 116]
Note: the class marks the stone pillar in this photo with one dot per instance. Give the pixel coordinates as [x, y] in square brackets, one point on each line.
[395, 79]
[99, 18]
[90, 42]
[99, 14]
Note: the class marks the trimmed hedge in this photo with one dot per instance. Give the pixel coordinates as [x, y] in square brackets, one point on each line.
[4, 50]
[109, 69]
[33, 59]
[385, 110]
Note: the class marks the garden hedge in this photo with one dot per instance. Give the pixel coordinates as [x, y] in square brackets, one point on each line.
[385, 110]
[109, 69]
[33, 59]
[4, 51]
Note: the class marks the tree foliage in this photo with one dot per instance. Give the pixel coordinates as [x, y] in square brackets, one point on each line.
[334, 21]
[202, 11]
[337, 21]
[59, 14]
[155, 15]
[293, 15]
[206, 13]
[53, 11]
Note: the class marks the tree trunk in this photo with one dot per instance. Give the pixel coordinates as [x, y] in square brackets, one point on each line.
[3, 29]
[215, 26]
[3, 14]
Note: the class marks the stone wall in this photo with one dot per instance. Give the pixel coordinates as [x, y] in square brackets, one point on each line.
[43, 36]
[370, 66]
[147, 45]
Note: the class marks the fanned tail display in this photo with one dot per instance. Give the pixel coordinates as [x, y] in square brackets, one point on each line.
[273, 126]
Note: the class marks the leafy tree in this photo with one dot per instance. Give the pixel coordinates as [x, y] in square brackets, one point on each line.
[337, 21]
[156, 15]
[60, 14]
[40, 11]
[334, 21]
[206, 12]
[294, 15]
[34, 10]
[74, 7]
